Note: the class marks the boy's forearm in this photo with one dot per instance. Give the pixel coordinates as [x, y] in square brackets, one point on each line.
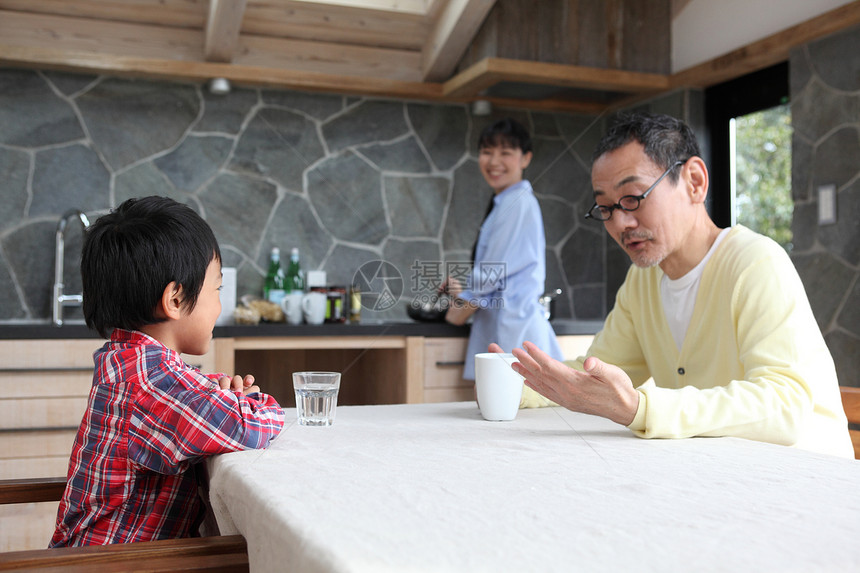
[204, 421]
[262, 419]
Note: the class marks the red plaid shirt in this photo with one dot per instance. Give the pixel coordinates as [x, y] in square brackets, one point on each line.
[150, 418]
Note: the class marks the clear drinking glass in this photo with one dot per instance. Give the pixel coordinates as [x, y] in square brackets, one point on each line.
[316, 397]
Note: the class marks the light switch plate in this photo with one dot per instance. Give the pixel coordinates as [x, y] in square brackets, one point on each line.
[827, 204]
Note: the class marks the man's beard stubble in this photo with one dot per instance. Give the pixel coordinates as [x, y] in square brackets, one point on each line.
[642, 259]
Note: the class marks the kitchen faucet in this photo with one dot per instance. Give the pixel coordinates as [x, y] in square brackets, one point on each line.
[60, 298]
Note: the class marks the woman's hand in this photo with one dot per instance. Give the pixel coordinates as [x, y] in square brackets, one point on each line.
[459, 310]
[451, 286]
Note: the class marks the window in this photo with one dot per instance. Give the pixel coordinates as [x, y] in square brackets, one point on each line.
[760, 166]
[748, 121]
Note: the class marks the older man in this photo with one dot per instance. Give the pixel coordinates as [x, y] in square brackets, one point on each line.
[712, 333]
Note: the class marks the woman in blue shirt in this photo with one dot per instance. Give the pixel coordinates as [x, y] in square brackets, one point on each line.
[509, 270]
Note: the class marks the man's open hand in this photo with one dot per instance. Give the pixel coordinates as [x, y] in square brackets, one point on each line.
[602, 389]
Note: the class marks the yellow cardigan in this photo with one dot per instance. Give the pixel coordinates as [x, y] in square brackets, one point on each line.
[753, 363]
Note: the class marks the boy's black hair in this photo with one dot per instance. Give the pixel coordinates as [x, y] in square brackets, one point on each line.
[665, 139]
[506, 132]
[130, 256]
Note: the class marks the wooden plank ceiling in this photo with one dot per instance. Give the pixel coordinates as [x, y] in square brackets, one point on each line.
[402, 43]
[394, 48]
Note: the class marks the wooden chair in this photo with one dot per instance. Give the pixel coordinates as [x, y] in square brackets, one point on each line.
[225, 553]
[31, 490]
[851, 403]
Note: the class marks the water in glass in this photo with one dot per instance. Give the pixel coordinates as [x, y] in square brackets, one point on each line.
[316, 404]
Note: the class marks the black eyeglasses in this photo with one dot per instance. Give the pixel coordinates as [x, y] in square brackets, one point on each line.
[626, 203]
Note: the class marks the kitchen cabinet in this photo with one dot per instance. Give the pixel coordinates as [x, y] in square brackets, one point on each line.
[375, 369]
[43, 394]
[443, 371]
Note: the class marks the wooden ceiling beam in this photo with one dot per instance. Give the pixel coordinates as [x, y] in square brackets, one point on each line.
[136, 41]
[222, 29]
[62, 33]
[200, 71]
[449, 39]
[173, 13]
[301, 20]
[329, 58]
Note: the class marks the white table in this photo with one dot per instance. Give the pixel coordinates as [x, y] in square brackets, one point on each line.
[434, 487]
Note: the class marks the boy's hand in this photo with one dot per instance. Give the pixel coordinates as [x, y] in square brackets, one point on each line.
[239, 384]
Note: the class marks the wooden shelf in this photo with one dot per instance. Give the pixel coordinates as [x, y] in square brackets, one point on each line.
[500, 79]
[490, 71]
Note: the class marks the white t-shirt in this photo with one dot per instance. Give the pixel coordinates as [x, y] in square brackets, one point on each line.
[679, 295]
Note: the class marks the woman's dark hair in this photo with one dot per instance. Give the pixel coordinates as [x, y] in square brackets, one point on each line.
[506, 133]
[130, 256]
[666, 139]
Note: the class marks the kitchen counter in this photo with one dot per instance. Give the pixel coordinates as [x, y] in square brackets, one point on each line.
[44, 330]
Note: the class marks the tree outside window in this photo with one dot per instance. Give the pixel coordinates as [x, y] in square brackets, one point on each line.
[762, 173]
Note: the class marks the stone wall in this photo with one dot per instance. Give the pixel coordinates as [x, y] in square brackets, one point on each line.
[825, 109]
[347, 180]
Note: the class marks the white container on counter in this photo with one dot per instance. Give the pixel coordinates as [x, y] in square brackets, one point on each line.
[228, 296]
[315, 279]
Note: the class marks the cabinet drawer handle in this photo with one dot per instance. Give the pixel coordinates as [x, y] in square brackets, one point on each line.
[451, 363]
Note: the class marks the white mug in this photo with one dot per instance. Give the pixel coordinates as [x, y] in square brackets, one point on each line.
[313, 307]
[499, 388]
[292, 307]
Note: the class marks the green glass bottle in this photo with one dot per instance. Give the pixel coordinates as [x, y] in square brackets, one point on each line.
[295, 276]
[274, 288]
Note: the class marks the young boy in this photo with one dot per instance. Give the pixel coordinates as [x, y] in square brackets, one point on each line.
[152, 273]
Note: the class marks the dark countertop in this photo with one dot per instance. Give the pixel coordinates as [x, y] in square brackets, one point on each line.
[45, 330]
